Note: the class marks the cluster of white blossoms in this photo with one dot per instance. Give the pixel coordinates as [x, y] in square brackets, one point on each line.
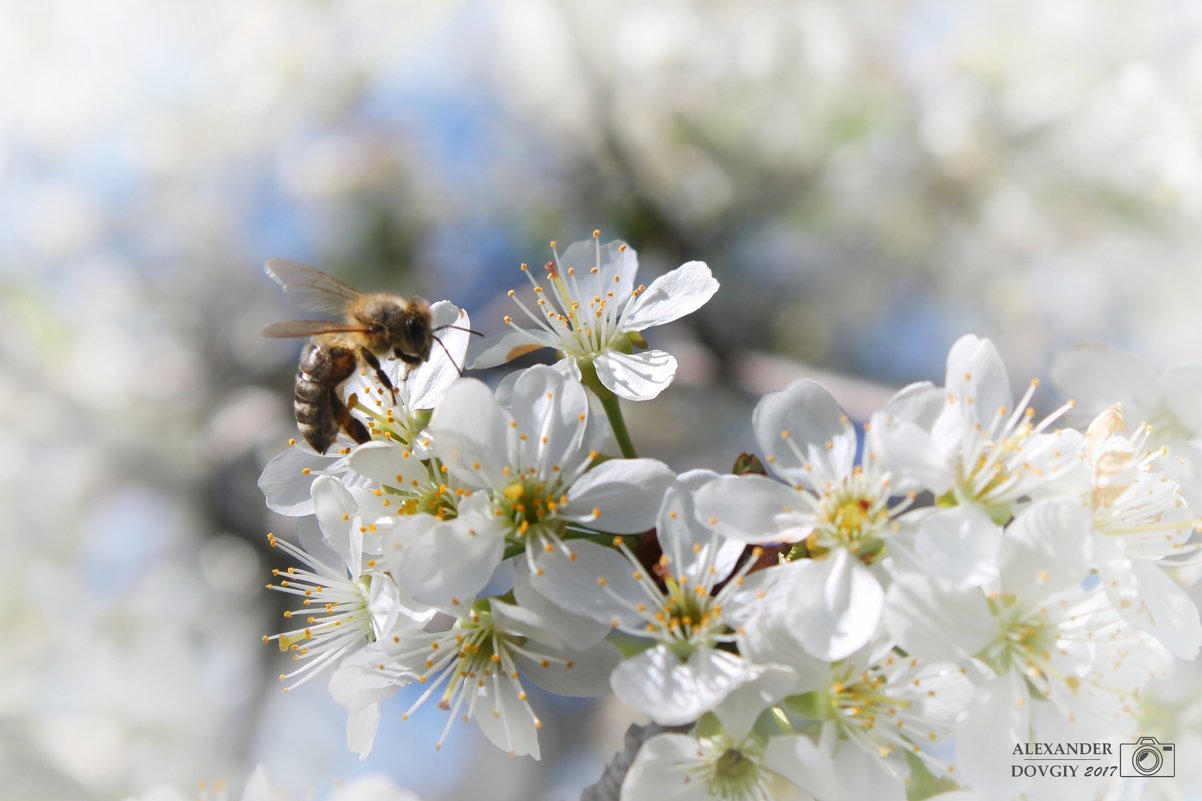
[879, 612]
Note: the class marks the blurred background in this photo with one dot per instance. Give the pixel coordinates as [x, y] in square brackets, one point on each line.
[867, 179]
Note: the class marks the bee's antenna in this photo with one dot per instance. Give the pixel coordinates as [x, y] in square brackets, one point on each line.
[459, 328]
[447, 352]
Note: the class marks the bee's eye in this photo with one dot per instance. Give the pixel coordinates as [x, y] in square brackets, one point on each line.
[415, 330]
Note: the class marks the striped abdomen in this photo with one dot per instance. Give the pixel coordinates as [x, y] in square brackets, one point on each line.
[324, 364]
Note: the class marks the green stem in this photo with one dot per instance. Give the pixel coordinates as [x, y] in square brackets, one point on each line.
[613, 410]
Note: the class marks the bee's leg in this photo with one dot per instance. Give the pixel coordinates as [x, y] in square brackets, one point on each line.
[374, 364]
[350, 424]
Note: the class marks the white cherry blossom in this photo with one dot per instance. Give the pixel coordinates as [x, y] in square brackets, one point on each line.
[887, 705]
[1168, 403]
[685, 768]
[980, 447]
[347, 600]
[534, 476]
[828, 501]
[475, 668]
[833, 506]
[1140, 519]
[1041, 637]
[890, 705]
[688, 607]
[590, 310]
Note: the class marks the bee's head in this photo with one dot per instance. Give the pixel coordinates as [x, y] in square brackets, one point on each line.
[397, 327]
[412, 333]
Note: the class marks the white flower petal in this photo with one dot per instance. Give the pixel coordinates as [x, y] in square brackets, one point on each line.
[977, 376]
[574, 584]
[739, 711]
[504, 347]
[357, 682]
[614, 258]
[397, 538]
[693, 548]
[918, 403]
[361, 726]
[588, 676]
[383, 604]
[766, 641]
[866, 776]
[359, 686]
[285, 483]
[513, 619]
[504, 718]
[960, 545]
[913, 457]
[385, 462]
[258, 788]
[799, 760]
[934, 621]
[660, 771]
[986, 735]
[671, 296]
[471, 434]
[333, 507]
[568, 628]
[448, 564]
[748, 508]
[312, 541]
[1049, 547]
[378, 511]
[1165, 611]
[804, 434]
[627, 492]
[637, 377]
[729, 551]
[835, 606]
[674, 692]
[552, 412]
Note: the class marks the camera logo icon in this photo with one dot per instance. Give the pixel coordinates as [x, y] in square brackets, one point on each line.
[1147, 756]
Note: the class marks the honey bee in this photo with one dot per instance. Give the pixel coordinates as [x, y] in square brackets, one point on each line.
[375, 325]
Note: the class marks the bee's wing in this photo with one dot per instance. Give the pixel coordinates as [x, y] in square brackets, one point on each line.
[312, 289]
[307, 328]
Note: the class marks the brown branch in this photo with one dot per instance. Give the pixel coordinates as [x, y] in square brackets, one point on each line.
[609, 787]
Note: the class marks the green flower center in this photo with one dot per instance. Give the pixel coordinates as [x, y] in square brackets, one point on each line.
[529, 503]
[1026, 640]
